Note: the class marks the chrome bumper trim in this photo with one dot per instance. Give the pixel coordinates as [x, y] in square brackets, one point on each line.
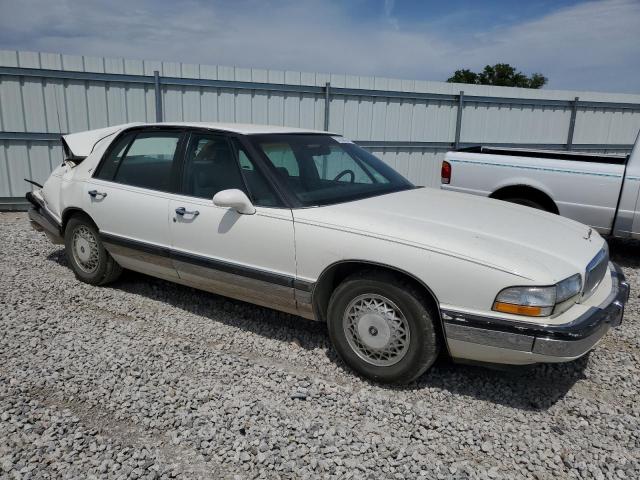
[490, 338]
[569, 348]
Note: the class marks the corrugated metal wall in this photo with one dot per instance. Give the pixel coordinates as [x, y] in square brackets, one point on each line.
[394, 118]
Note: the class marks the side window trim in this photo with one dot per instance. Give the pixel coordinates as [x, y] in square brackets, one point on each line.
[236, 146]
[235, 149]
[124, 155]
[264, 167]
[182, 162]
[263, 163]
[179, 161]
[109, 151]
[365, 168]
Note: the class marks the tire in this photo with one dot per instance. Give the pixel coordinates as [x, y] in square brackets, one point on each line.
[372, 292]
[527, 202]
[86, 254]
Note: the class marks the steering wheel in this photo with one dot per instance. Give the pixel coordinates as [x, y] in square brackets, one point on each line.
[343, 173]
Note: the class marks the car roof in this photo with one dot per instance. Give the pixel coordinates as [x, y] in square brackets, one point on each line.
[241, 128]
[79, 145]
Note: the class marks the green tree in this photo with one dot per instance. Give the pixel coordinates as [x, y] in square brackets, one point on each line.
[464, 76]
[501, 74]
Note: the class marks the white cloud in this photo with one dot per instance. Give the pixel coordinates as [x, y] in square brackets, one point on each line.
[593, 45]
[388, 14]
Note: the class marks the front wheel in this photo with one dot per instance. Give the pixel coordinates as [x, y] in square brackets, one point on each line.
[382, 328]
[87, 256]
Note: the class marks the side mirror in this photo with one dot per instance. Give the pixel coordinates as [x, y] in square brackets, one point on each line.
[236, 199]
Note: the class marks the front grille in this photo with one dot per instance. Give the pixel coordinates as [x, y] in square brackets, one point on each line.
[596, 270]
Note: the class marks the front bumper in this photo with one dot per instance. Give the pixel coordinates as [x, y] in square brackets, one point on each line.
[498, 340]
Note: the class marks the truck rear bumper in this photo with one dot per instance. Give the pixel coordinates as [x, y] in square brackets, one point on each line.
[502, 341]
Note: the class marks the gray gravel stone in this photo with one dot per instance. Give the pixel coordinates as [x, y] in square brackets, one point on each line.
[149, 379]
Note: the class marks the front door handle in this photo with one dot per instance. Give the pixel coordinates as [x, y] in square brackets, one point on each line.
[183, 211]
[95, 194]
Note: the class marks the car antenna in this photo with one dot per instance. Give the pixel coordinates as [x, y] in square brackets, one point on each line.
[55, 93]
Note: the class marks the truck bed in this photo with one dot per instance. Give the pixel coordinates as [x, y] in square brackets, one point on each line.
[584, 187]
[554, 154]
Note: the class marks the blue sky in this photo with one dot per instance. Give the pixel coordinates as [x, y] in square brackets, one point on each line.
[579, 45]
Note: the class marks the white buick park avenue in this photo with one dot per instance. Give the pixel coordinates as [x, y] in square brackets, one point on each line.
[309, 223]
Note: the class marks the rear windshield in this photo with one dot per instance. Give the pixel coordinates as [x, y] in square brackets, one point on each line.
[321, 169]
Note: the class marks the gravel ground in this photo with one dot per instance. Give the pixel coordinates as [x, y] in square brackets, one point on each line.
[150, 379]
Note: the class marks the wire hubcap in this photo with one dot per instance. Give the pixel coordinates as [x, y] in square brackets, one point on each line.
[85, 249]
[376, 330]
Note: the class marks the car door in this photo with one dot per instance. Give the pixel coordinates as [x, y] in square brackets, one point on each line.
[244, 256]
[633, 177]
[128, 198]
[627, 222]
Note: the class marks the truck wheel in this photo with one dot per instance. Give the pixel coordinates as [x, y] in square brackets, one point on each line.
[88, 258]
[381, 328]
[527, 203]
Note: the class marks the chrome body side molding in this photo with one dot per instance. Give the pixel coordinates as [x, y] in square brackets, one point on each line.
[268, 289]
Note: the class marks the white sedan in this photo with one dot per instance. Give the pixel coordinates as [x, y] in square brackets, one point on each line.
[309, 223]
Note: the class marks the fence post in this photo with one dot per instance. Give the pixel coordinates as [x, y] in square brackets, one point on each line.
[572, 123]
[459, 119]
[327, 101]
[158, 92]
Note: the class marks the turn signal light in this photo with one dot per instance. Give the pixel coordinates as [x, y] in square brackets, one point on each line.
[518, 309]
[445, 173]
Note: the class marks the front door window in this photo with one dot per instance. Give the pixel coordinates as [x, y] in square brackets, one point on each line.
[214, 163]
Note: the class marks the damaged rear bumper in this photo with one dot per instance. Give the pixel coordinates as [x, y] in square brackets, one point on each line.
[43, 221]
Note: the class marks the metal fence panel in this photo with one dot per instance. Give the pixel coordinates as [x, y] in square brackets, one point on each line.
[606, 126]
[409, 124]
[421, 167]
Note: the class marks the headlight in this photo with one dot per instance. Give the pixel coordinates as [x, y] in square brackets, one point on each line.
[537, 301]
[569, 287]
[530, 301]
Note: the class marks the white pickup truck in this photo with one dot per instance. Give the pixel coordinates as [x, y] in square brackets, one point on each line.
[598, 190]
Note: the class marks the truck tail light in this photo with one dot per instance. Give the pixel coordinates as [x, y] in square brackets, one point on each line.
[445, 173]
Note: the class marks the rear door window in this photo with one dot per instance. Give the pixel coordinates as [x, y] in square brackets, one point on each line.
[110, 163]
[146, 162]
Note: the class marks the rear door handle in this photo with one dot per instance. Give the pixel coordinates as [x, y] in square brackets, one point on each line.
[95, 194]
[183, 211]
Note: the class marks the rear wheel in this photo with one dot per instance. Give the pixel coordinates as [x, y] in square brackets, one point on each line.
[88, 258]
[382, 328]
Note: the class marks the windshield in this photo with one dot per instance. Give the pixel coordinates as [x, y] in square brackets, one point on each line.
[321, 169]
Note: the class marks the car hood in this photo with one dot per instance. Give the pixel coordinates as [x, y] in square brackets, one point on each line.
[529, 243]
